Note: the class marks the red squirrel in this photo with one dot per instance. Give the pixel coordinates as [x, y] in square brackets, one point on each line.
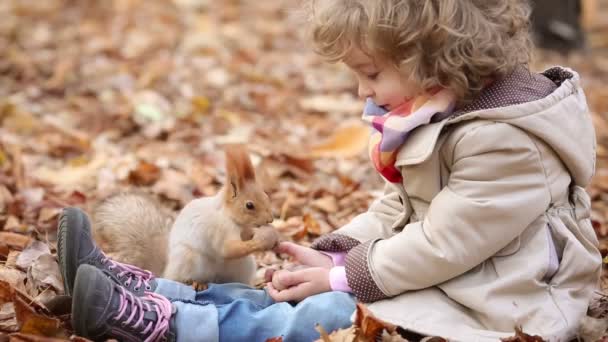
[210, 240]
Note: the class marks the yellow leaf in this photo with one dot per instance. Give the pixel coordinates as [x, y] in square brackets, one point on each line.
[201, 104]
[348, 141]
[3, 158]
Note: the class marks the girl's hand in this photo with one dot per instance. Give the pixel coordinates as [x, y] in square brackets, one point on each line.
[304, 255]
[299, 284]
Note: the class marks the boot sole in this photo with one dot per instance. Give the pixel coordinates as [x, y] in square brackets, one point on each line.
[70, 218]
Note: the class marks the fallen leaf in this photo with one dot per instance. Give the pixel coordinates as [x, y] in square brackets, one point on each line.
[370, 325]
[520, 336]
[350, 334]
[31, 254]
[13, 224]
[6, 292]
[9, 322]
[4, 251]
[14, 240]
[327, 204]
[13, 277]
[47, 215]
[145, 174]
[31, 322]
[275, 339]
[311, 225]
[21, 337]
[174, 185]
[347, 141]
[11, 259]
[45, 271]
[343, 103]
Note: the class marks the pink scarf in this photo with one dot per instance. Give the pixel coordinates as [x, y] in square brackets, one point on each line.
[391, 129]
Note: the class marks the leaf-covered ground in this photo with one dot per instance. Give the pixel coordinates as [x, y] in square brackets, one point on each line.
[102, 96]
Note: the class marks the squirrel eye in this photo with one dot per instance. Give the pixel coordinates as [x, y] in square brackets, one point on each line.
[249, 205]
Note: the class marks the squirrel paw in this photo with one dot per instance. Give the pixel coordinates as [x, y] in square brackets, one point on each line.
[198, 286]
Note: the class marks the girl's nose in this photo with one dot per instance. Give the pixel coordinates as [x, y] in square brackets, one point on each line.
[365, 91]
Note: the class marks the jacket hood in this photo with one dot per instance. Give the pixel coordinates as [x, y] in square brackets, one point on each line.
[550, 106]
[561, 119]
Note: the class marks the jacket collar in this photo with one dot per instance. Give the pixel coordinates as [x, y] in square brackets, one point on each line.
[422, 141]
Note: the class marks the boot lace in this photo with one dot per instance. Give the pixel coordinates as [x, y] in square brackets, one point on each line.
[129, 273]
[155, 330]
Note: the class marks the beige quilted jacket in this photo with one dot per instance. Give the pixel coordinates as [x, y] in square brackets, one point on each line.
[490, 228]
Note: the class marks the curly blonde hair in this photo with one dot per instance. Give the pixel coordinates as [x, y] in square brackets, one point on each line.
[458, 44]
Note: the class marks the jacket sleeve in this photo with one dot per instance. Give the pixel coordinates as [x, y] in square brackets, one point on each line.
[496, 188]
[387, 212]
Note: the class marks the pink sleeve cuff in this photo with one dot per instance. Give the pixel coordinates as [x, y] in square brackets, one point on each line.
[337, 279]
[339, 258]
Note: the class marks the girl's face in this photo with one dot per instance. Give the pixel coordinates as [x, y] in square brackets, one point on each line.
[380, 80]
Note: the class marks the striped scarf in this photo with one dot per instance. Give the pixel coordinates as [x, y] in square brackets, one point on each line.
[391, 129]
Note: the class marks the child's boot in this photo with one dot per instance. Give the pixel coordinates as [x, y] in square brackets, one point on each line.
[102, 309]
[76, 247]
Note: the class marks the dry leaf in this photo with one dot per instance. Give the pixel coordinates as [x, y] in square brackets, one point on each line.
[145, 174]
[327, 204]
[13, 277]
[13, 224]
[342, 335]
[520, 336]
[275, 339]
[371, 327]
[14, 240]
[311, 225]
[21, 337]
[347, 141]
[31, 254]
[31, 322]
[174, 185]
[8, 321]
[344, 103]
[6, 292]
[45, 271]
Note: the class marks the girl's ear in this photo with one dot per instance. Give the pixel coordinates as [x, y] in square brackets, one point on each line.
[239, 169]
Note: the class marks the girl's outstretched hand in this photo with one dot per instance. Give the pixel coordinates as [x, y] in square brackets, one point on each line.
[304, 255]
[298, 285]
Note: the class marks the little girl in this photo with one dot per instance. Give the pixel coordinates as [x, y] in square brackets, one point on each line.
[484, 224]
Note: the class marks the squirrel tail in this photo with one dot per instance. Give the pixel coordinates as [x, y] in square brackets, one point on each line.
[133, 228]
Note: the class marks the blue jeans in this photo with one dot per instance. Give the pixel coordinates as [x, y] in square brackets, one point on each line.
[236, 312]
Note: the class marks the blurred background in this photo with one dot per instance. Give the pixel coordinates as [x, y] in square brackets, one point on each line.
[100, 96]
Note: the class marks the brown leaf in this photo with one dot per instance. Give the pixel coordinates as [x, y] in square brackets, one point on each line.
[13, 224]
[327, 204]
[14, 240]
[31, 254]
[371, 327]
[311, 225]
[347, 141]
[350, 334]
[23, 337]
[520, 336]
[275, 339]
[31, 322]
[6, 292]
[8, 321]
[145, 174]
[5, 195]
[45, 272]
[174, 185]
[300, 234]
[4, 251]
[13, 277]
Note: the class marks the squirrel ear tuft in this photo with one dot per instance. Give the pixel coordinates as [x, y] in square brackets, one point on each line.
[239, 169]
